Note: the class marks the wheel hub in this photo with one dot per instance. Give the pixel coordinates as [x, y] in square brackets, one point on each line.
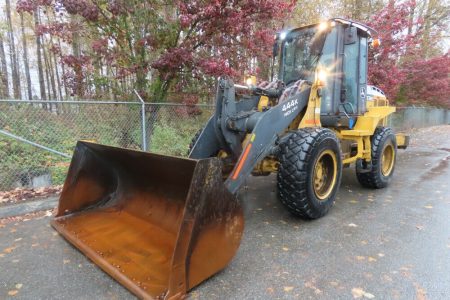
[324, 178]
[387, 160]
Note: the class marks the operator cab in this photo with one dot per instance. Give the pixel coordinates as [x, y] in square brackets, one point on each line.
[337, 47]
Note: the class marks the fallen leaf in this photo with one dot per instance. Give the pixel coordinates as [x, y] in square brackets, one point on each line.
[19, 286]
[359, 292]
[35, 244]
[285, 249]
[352, 225]
[288, 288]
[371, 259]
[421, 294]
[311, 286]
[360, 257]
[364, 242]
[19, 239]
[21, 194]
[66, 261]
[428, 206]
[13, 292]
[9, 250]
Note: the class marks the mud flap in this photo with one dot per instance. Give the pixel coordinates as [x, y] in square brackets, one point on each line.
[157, 224]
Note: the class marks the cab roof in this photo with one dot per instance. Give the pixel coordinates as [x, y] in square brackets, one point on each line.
[368, 30]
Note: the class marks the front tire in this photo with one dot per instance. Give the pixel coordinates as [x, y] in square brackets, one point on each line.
[384, 155]
[310, 172]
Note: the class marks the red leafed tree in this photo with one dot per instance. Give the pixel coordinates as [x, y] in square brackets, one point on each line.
[400, 66]
[391, 24]
[427, 81]
[163, 46]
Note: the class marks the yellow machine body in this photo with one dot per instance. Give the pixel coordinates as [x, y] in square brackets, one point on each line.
[378, 112]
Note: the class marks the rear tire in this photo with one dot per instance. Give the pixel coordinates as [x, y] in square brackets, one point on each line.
[310, 172]
[384, 155]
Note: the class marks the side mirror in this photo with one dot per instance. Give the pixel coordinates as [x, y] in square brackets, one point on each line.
[343, 95]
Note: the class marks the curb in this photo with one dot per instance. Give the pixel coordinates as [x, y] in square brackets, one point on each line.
[18, 209]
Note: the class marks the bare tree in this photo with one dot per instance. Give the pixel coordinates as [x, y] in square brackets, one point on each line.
[3, 70]
[13, 54]
[50, 74]
[25, 58]
[39, 57]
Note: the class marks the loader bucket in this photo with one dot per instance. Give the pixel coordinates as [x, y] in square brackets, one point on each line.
[157, 224]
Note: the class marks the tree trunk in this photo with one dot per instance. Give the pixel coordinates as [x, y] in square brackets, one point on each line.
[58, 80]
[426, 44]
[4, 71]
[13, 54]
[63, 72]
[49, 68]
[47, 77]
[25, 58]
[39, 57]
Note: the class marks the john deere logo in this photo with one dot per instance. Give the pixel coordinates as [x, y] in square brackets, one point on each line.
[363, 93]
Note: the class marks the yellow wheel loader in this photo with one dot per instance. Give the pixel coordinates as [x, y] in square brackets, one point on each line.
[160, 225]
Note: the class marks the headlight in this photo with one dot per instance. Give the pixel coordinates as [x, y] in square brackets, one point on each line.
[322, 76]
[323, 26]
[250, 80]
[376, 43]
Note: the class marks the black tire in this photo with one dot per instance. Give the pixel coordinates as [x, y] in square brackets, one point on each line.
[376, 178]
[298, 157]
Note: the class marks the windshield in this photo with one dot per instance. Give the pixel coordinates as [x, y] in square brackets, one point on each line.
[301, 52]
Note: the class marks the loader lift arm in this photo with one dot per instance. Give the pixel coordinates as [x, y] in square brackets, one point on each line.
[265, 129]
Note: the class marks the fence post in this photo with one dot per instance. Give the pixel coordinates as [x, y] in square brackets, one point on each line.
[143, 125]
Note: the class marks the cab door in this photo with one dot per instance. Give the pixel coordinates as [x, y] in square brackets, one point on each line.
[354, 67]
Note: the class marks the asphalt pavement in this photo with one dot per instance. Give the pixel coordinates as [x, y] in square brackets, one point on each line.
[392, 243]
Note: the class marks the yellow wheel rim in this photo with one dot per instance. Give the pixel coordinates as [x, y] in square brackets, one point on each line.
[325, 174]
[387, 160]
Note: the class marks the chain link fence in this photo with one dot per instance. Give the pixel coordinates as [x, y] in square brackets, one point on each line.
[37, 138]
